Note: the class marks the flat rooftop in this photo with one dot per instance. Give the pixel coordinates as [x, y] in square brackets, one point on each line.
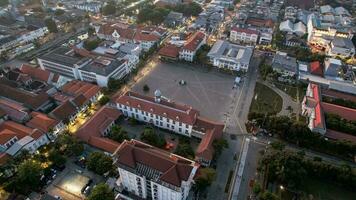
[103, 65]
[64, 56]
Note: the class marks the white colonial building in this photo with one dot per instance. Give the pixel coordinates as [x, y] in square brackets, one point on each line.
[151, 173]
[191, 46]
[171, 116]
[244, 35]
[230, 56]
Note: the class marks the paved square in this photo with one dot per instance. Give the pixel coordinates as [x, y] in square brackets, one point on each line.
[210, 92]
[73, 183]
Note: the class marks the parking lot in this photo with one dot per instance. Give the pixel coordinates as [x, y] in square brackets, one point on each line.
[70, 182]
[210, 92]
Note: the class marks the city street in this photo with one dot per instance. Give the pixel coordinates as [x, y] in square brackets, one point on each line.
[234, 132]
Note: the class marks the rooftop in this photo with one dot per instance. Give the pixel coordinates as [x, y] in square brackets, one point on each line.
[172, 169]
[41, 122]
[29, 99]
[227, 50]
[194, 41]
[103, 65]
[97, 124]
[65, 56]
[171, 110]
[75, 87]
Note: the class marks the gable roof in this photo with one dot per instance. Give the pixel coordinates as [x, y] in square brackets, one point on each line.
[76, 87]
[212, 131]
[104, 144]
[344, 112]
[37, 73]
[244, 30]
[10, 127]
[41, 121]
[63, 111]
[169, 50]
[95, 126]
[177, 112]
[31, 100]
[316, 68]
[194, 41]
[172, 169]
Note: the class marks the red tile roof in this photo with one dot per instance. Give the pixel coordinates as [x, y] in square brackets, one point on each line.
[104, 144]
[171, 110]
[260, 22]
[212, 131]
[95, 126]
[76, 87]
[125, 32]
[319, 115]
[173, 169]
[63, 111]
[344, 112]
[31, 100]
[10, 127]
[14, 110]
[340, 95]
[37, 73]
[169, 50]
[244, 30]
[316, 68]
[139, 36]
[340, 136]
[41, 121]
[194, 41]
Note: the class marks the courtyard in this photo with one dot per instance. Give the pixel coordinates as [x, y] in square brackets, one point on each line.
[208, 91]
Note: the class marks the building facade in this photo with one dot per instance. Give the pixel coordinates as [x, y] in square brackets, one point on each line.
[151, 173]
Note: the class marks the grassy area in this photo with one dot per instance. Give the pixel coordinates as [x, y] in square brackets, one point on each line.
[326, 191]
[290, 90]
[265, 100]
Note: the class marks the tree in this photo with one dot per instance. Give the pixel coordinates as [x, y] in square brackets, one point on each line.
[146, 88]
[256, 188]
[185, 150]
[109, 8]
[101, 192]
[118, 134]
[269, 196]
[265, 70]
[205, 178]
[104, 100]
[100, 163]
[28, 175]
[91, 44]
[56, 158]
[69, 145]
[51, 25]
[4, 3]
[149, 136]
[219, 145]
[59, 12]
[91, 31]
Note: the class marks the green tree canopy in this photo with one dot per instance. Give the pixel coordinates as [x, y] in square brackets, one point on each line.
[118, 134]
[101, 192]
[185, 150]
[99, 163]
[104, 100]
[149, 136]
[51, 25]
[28, 175]
[109, 8]
[56, 158]
[69, 145]
[4, 3]
[91, 44]
[205, 177]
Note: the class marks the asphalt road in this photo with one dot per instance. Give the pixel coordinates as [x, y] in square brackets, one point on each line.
[236, 118]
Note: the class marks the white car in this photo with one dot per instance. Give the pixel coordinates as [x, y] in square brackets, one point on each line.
[58, 197]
